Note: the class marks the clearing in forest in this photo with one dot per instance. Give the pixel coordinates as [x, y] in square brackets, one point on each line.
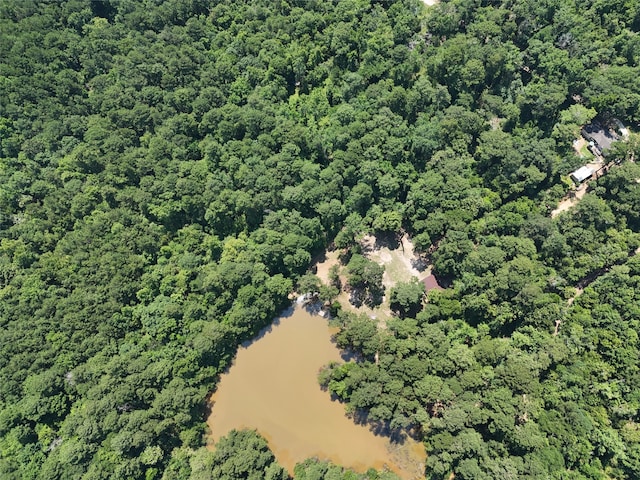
[396, 256]
[400, 263]
[574, 196]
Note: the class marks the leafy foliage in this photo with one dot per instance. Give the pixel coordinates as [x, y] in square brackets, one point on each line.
[168, 169]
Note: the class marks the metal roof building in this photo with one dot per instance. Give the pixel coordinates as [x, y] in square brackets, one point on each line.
[581, 174]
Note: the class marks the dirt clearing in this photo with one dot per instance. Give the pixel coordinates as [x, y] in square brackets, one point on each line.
[400, 263]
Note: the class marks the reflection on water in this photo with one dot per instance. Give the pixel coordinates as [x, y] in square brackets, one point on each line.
[273, 387]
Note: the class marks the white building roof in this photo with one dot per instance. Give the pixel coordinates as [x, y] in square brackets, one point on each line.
[581, 174]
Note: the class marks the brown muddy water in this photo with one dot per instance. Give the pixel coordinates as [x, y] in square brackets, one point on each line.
[272, 387]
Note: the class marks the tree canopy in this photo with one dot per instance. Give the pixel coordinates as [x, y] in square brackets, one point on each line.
[168, 170]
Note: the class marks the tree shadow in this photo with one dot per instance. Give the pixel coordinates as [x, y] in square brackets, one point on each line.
[319, 258]
[371, 297]
[345, 255]
[390, 240]
[420, 262]
[286, 313]
[316, 307]
[350, 356]
[381, 428]
[265, 330]
[374, 297]
[357, 297]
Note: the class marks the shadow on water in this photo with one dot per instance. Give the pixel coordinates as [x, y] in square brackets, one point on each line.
[286, 313]
[397, 436]
[380, 428]
[315, 308]
[311, 306]
[349, 355]
[268, 329]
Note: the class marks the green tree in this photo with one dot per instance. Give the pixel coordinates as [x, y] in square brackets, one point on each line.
[365, 276]
[406, 298]
[244, 454]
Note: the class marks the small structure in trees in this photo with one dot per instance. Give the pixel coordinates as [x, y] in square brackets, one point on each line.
[581, 174]
[431, 283]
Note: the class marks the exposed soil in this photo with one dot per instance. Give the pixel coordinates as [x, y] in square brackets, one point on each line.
[324, 264]
[580, 145]
[399, 260]
[570, 200]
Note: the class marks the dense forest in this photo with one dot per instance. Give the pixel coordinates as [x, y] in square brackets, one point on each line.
[168, 169]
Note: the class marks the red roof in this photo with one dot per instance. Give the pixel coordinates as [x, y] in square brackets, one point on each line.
[431, 283]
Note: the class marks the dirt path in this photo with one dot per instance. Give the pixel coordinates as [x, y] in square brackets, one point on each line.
[329, 259]
[573, 197]
[582, 284]
[579, 291]
[570, 200]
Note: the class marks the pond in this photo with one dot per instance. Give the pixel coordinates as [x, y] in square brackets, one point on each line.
[273, 387]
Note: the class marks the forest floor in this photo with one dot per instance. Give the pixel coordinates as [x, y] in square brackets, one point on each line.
[400, 263]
